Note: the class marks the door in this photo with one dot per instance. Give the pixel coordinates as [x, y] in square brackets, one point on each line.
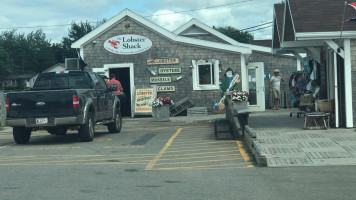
[256, 86]
[102, 71]
[125, 74]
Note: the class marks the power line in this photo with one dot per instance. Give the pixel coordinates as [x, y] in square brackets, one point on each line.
[223, 5]
[56, 25]
[255, 26]
[261, 28]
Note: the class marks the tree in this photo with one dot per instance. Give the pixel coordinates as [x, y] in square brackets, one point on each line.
[234, 33]
[20, 53]
[77, 31]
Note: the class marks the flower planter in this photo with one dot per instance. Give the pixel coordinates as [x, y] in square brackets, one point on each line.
[161, 113]
[237, 107]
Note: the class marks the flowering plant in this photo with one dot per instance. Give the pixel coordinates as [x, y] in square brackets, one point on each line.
[239, 95]
[159, 101]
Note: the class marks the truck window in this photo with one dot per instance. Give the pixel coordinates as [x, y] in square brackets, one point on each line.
[52, 80]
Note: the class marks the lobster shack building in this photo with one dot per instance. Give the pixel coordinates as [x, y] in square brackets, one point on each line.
[186, 63]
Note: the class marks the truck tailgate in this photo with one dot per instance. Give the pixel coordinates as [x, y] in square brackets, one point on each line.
[44, 103]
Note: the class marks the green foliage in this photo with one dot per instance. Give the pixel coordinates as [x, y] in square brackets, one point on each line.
[20, 53]
[28, 53]
[236, 34]
[77, 31]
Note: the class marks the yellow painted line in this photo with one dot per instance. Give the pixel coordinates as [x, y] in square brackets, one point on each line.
[214, 152]
[210, 149]
[199, 161]
[243, 153]
[7, 145]
[73, 158]
[174, 147]
[217, 142]
[219, 166]
[200, 157]
[164, 149]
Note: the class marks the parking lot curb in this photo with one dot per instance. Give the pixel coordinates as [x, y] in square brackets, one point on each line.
[254, 146]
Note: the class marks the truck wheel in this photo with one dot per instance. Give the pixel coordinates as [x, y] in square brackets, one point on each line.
[21, 135]
[57, 130]
[87, 130]
[115, 127]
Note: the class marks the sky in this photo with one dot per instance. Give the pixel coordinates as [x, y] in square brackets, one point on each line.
[54, 17]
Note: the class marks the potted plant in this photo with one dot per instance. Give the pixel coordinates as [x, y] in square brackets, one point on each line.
[238, 100]
[160, 108]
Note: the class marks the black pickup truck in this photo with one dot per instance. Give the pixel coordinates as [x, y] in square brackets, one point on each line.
[64, 100]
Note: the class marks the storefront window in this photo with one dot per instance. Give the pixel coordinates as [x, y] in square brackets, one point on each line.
[205, 74]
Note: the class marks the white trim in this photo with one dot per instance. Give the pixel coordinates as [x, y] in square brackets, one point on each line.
[220, 36]
[336, 92]
[335, 47]
[302, 43]
[348, 84]
[176, 38]
[260, 86]
[324, 35]
[132, 78]
[195, 76]
[315, 53]
[244, 75]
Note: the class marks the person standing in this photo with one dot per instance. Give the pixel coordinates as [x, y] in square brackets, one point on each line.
[275, 87]
[119, 92]
[113, 83]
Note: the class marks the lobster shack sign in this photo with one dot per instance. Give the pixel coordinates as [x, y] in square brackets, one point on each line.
[128, 44]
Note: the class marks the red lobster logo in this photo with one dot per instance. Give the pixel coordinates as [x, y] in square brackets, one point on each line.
[114, 43]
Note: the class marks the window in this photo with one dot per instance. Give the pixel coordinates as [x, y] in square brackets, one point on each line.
[206, 74]
[13, 83]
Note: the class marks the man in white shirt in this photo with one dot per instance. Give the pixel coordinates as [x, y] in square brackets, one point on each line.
[275, 87]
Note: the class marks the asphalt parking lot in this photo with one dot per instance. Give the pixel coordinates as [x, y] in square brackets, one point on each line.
[142, 144]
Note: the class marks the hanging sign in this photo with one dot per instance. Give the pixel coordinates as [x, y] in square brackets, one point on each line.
[142, 98]
[160, 79]
[166, 88]
[163, 61]
[128, 44]
[173, 70]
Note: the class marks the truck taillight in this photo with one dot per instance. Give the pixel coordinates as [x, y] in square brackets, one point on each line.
[75, 101]
[7, 104]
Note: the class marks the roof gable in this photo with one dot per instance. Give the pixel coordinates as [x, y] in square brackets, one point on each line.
[193, 23]
[154, 27]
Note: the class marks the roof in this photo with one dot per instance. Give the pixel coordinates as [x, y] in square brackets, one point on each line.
[154, 27]
[312, 20]
[320, 15]
[264, 43]
[195, 22]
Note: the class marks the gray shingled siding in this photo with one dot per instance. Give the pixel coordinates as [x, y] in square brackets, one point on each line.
[353, 75]
[286, 64]
[97, 56]
[207, 36]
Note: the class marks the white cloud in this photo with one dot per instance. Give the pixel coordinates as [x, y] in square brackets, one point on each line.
[23, 13]
[169, 21]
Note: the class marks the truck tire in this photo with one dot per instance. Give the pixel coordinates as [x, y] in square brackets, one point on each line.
[87, 130]
[115, 127]
[21, 135]
[57, 130]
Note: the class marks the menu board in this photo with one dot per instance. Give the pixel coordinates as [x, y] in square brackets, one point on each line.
[142, 98]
